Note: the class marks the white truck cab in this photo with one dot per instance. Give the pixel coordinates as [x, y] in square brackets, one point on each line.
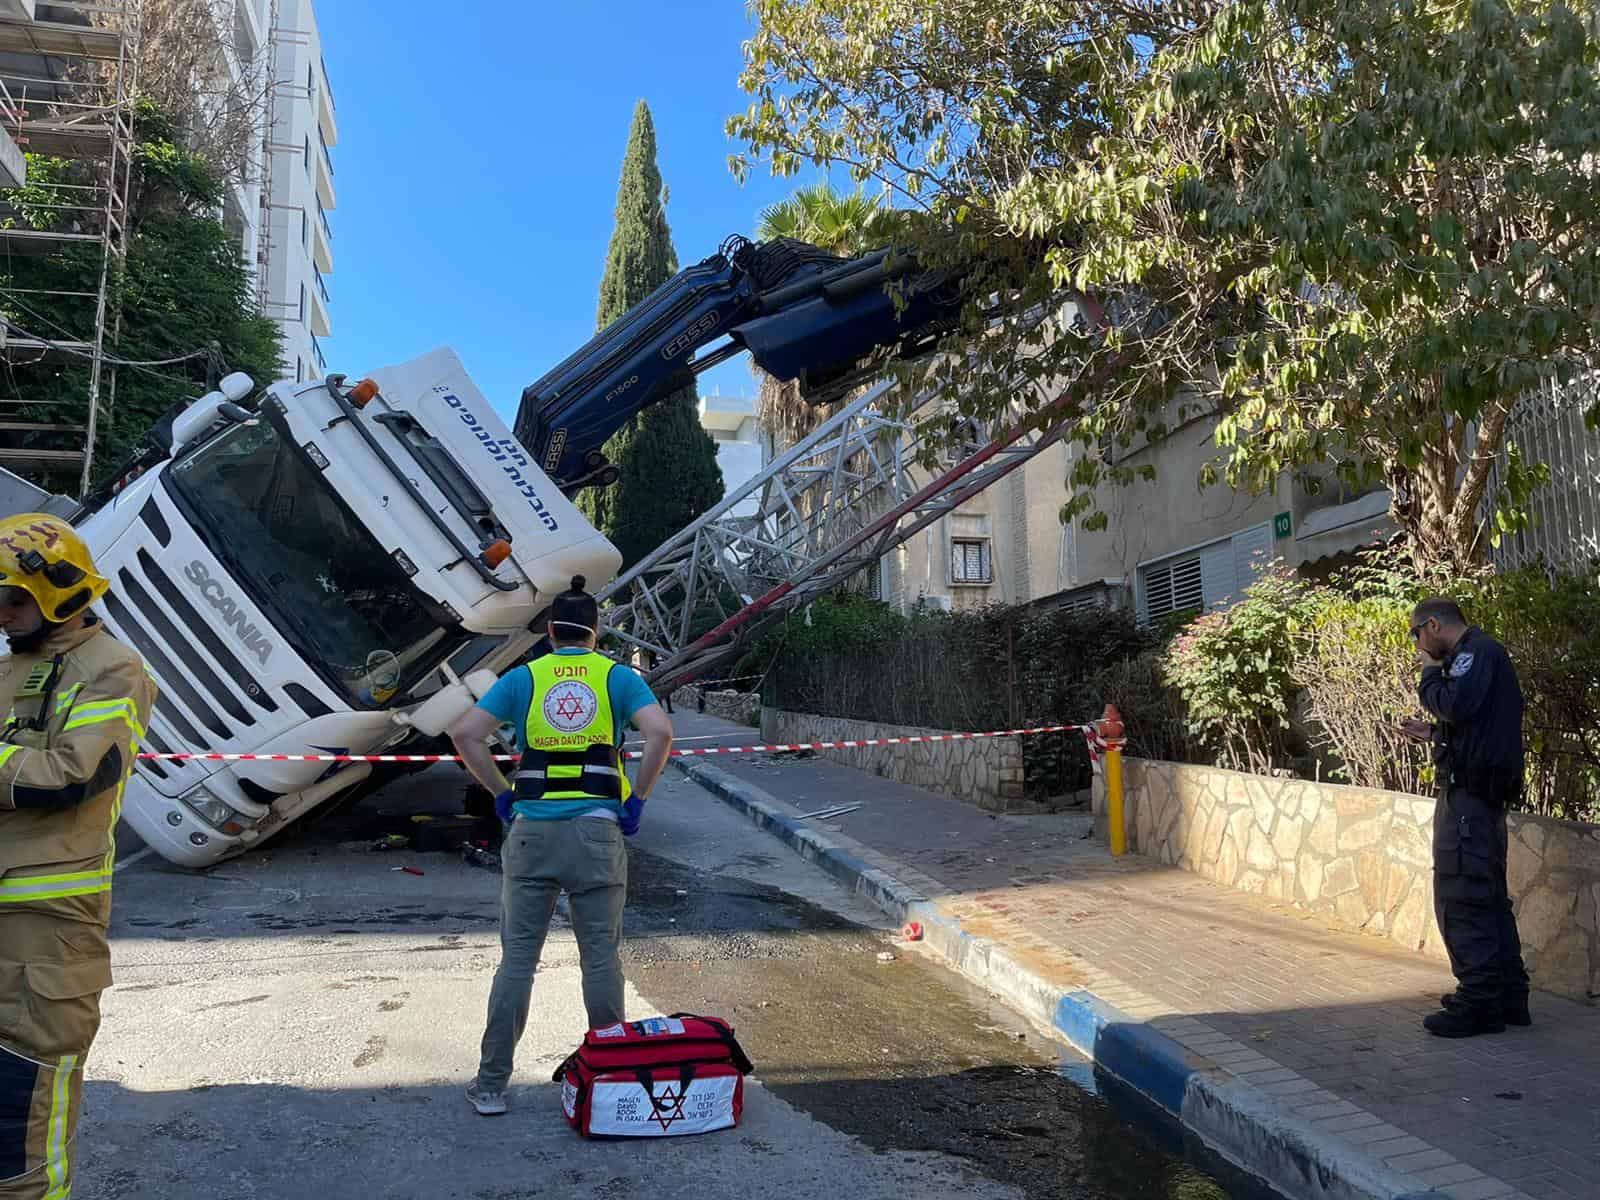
[340, 571]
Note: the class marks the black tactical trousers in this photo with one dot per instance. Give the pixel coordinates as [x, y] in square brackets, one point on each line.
[1472, 902]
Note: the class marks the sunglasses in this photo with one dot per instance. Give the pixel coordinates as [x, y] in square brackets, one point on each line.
[1417, 629]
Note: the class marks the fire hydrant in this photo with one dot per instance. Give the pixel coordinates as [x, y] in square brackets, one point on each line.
[1109, 737]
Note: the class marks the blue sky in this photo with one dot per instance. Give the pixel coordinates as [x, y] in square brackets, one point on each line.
[477, 167]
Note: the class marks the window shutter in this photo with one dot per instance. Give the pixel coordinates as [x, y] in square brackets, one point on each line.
[1220, 584]
[1172, 587]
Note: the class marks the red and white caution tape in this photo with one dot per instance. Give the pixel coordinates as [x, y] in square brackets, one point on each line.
[696, 752]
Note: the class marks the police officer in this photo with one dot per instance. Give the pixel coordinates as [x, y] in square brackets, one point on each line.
[569, 809]
[75, 702]
[1470, 686]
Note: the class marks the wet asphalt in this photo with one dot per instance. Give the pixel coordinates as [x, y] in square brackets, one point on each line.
[901, 1056]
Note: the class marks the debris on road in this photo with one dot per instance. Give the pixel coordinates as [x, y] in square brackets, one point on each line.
[407, 870]
[479, 856]
[886, 956]
[391, 841]
[837, 810]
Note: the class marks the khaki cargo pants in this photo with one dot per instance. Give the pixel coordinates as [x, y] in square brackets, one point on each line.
[52, 971]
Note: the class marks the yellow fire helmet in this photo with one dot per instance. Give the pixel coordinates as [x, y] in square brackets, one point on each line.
[45, 557]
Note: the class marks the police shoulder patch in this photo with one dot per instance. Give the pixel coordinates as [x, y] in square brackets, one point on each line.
[1460, 665]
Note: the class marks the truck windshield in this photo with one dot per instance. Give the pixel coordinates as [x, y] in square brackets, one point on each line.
[330, 588]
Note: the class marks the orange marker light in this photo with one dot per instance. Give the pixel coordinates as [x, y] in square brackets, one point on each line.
[496, 553]
[363, 393]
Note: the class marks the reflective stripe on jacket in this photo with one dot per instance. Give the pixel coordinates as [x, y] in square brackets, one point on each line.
[75, 712]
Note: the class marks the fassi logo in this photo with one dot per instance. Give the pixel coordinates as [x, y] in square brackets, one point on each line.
[216, 595]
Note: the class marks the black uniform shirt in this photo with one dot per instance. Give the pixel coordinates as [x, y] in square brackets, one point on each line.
[1478, 701]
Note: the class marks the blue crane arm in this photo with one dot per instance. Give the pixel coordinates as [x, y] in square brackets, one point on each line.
[802, 314]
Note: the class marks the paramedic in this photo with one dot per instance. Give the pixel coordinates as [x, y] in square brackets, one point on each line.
[76, 703]
[569, 808]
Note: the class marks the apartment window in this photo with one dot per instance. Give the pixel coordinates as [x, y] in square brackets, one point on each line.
[302, 302]
[1211, 576]
[969, 561]
[305, 229]
[1173, 587]
[308, 154]
[299, 370]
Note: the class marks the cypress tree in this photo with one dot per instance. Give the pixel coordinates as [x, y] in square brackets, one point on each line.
[667, 462]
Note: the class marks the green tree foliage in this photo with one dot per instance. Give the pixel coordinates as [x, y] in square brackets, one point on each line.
[668, 463]
[845, 223]
[183, 287]
[1352, 232]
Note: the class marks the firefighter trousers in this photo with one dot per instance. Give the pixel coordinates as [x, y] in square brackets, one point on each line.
[52, 971]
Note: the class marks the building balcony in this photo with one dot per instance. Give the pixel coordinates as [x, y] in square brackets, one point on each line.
[322, 241]
[317, 309]
[324, 175]
[251, 22]
[327, 118]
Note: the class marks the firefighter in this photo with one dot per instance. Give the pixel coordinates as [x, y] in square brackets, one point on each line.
[76, 703]
[568, 812]
[1470, 685]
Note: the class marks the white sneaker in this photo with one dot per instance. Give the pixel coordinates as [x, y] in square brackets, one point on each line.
[488, 1104]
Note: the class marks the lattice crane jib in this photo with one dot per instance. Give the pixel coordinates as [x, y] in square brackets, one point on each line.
[828, 508]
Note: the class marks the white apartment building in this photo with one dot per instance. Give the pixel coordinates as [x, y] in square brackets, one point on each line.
[280, 214]
[743, 451]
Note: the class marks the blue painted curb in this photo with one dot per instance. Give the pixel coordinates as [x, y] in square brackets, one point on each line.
[1242, 1124]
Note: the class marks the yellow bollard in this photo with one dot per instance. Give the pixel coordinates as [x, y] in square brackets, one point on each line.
[1119, 832]
[1110, 734]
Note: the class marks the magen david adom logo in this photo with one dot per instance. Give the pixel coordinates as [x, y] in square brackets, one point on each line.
[570, 706]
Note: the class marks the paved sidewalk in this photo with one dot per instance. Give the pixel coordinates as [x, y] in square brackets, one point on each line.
[1323, 1025]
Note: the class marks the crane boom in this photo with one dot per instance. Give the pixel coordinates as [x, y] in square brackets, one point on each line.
[801, 313]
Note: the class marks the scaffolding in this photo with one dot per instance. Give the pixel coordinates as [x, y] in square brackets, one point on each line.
[68, 74]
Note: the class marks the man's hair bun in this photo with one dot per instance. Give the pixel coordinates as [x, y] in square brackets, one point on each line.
[579, 583]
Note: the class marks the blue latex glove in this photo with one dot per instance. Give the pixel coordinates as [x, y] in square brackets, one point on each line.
[502, 807]
[632, 810]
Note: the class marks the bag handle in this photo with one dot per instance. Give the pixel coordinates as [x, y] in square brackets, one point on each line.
[725, 1036]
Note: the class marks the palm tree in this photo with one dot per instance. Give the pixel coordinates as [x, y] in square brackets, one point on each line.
[841, 223]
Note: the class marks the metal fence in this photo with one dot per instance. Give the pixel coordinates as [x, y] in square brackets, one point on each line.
[1548, 427]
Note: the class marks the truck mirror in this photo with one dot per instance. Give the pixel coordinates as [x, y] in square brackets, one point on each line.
[236, 386]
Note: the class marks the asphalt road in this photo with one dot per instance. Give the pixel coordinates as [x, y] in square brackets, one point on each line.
[302, 1021]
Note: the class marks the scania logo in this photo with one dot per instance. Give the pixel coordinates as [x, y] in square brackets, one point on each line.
[219, 599]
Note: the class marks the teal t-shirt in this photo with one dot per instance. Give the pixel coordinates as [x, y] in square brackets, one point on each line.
[511, 696]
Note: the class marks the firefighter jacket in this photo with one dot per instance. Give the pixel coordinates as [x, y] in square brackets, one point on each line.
[75, 712]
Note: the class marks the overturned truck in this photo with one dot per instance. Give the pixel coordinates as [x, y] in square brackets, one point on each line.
[337, 568]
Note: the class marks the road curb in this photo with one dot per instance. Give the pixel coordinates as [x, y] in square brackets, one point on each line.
[1239, 1121]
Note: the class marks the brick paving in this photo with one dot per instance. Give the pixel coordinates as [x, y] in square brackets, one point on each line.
[1326, 1020]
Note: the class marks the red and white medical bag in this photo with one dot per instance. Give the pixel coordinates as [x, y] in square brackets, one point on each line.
[663, 1077]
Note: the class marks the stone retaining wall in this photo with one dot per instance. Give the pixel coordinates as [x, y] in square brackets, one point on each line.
[985, 771]
[741, 707]
[1364, 858]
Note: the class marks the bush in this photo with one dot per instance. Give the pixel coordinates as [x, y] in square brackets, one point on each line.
[1234, 671]
[988, 669]
[1548, 623]
[1354, 664]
